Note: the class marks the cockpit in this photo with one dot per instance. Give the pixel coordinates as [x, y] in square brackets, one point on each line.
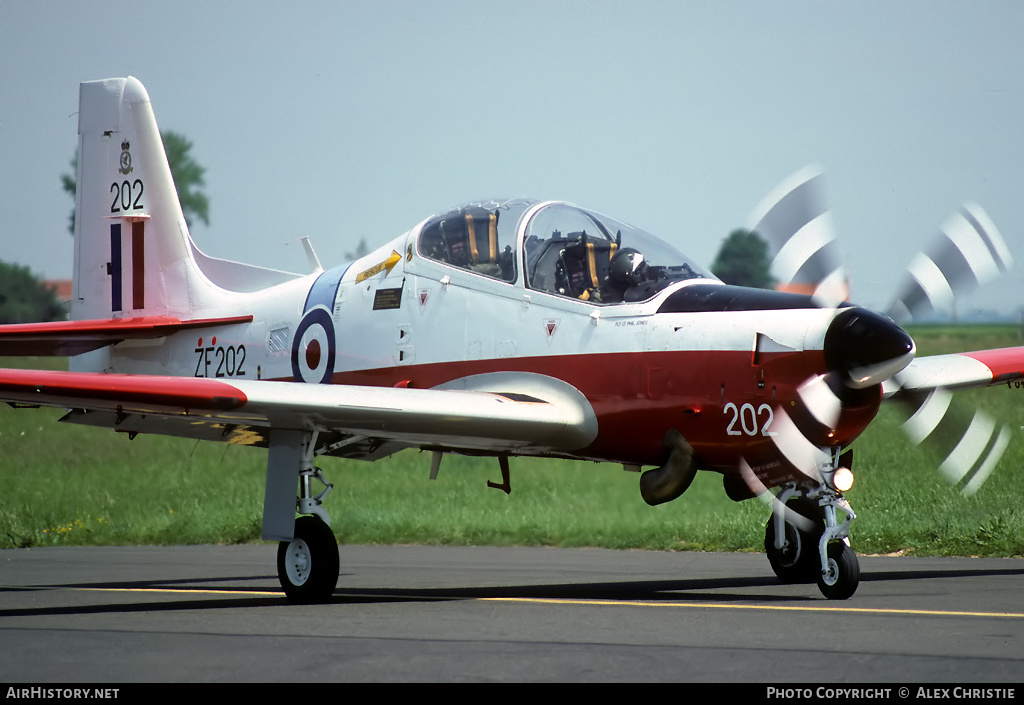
[561, 249]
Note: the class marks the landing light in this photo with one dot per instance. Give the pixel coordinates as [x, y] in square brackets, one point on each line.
[843, 479]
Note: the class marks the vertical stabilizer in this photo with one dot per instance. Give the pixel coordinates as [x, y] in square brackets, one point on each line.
[133, 254]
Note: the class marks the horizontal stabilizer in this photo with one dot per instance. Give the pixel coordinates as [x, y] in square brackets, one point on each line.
[76, 337]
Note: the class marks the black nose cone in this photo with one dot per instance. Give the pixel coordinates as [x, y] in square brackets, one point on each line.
[866, 347]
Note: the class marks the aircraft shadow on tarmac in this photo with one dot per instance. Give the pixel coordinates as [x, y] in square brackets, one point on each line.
[234, 596]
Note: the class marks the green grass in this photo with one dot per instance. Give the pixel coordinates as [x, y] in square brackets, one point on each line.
[62, 484]
[935, 339]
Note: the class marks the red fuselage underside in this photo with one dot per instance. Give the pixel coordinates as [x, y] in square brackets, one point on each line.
[639, 396]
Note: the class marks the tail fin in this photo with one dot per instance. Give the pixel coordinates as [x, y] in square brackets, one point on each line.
[133, 253]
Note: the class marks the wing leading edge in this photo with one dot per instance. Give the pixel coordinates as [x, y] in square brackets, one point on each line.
[981, 368]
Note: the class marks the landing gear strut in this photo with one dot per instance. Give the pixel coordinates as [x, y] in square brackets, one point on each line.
[307, 553]
[805, 542]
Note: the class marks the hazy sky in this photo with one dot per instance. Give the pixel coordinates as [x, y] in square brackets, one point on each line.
[342, 120]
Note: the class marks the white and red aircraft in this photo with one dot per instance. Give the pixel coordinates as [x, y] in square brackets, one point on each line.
[500, 328]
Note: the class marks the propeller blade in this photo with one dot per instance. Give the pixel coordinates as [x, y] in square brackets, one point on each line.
[968, 252]
[764, 494]
[969, 440]
[796, 448]
[821, 401]
[864, 349]
[796, 223]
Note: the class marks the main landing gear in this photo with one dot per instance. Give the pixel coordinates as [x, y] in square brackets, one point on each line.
[806, 543]
[307, 552]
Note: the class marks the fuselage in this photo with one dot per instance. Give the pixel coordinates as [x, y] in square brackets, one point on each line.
[715, 363]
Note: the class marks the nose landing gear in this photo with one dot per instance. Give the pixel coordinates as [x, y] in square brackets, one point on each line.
[841, 575]
[805, 542]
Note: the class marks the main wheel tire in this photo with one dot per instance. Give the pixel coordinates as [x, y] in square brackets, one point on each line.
[798, 561]
[841, 579]
[307, 566]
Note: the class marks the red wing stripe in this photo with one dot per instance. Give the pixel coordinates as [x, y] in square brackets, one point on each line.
[130, 392]
[1006, 363]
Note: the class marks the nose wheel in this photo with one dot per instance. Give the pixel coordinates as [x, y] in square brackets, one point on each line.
[841, 575]
[805, 541]
[307, 566]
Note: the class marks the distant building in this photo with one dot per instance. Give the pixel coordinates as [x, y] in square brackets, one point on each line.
[62, 290]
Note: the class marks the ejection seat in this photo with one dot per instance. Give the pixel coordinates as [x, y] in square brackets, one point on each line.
[583, 266]
[468, 238]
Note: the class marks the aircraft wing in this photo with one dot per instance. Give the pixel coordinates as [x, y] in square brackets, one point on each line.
[981, 368]
[495, 413]
[75, 337]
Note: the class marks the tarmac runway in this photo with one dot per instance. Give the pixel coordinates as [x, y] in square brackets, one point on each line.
[191, 614]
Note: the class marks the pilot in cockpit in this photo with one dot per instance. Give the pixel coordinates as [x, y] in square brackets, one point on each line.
[627, 269]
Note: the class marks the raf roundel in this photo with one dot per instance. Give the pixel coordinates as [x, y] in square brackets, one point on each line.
[313, 348]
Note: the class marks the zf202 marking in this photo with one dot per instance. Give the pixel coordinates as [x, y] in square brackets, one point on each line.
[222, 361]
[127, 196]
[753, 422]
